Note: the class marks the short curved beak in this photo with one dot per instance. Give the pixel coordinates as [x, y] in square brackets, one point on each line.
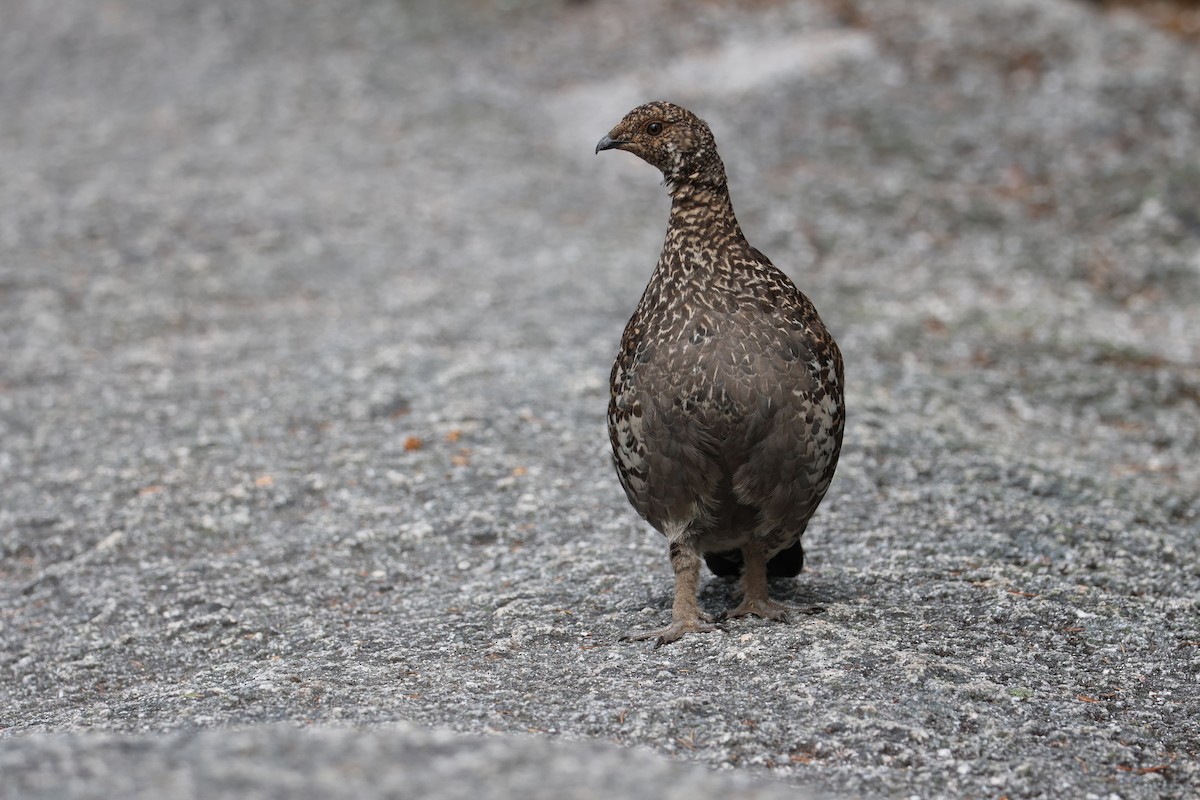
[608, 143]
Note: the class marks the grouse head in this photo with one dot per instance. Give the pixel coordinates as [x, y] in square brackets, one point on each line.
[671, 138]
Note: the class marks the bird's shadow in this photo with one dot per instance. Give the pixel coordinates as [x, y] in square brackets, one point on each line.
[719, 594]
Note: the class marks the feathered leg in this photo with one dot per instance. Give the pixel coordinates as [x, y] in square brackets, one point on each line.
[686, 616]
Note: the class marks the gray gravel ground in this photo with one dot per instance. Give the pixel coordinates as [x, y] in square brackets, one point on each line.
[306, 312]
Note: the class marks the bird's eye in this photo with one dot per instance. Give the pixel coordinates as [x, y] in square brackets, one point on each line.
[654, 128]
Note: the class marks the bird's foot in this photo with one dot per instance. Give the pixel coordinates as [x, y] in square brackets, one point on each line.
[762, 607]
[701, 623]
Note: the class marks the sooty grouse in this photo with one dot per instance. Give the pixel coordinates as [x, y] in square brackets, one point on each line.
[727, 410]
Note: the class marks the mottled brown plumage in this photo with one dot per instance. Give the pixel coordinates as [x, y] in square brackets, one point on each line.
[727, 410]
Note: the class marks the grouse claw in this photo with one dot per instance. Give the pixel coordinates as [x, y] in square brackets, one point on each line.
[673, 632]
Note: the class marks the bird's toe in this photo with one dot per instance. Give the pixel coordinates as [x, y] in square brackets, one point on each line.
[766, 609]
[702, 623]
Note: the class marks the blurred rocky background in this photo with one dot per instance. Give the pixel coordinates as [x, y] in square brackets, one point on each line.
[306, 313]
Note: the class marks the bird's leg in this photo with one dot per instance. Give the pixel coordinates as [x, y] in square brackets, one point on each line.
[755, 598]
[686, 616]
